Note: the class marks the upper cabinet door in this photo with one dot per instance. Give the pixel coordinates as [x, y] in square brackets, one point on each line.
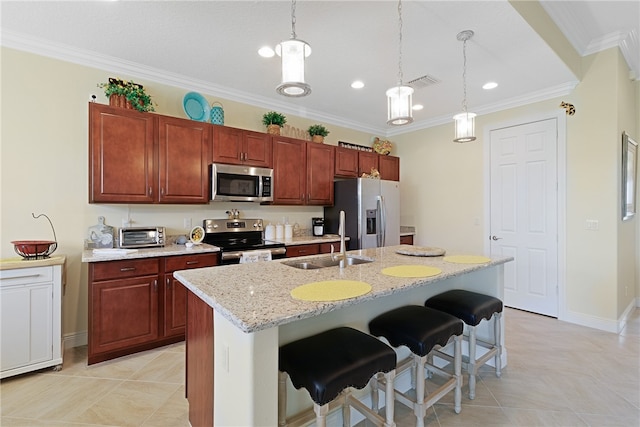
[289, 171]
[320, 171]
[389, 168]
[183, 155]
[346, 162]
[241, 147]
[366, 161]
[257, 149]
[120, 155]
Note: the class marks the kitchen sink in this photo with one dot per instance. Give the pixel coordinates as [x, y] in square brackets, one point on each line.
[326, 262]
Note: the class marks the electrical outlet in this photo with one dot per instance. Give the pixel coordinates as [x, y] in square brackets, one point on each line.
[187, 223]
[592, 224]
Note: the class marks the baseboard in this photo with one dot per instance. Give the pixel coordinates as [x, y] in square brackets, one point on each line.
[607, 325]
[76, 339]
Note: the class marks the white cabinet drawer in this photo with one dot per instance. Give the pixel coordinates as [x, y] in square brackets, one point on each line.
[25, 276]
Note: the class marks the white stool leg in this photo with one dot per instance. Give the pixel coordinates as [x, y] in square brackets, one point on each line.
[321, 414]
[457, 370]
[497, 324]
[472, 362]
[374, 393]
[282, 398]
[389, 397]
[346, 409]
[419, 409]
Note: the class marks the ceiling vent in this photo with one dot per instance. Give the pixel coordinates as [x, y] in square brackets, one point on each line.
[422, 82]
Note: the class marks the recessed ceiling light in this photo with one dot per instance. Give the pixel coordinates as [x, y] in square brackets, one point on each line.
[266, 52]
[417, 107]
[358, 84]
[490, 85]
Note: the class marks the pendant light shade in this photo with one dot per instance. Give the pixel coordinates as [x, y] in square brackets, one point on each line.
[293, 53]
[465, 127]
[399, 102]
[400, 97]
[465, 122]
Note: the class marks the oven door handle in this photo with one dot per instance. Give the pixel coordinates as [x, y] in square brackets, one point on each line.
[236, 255]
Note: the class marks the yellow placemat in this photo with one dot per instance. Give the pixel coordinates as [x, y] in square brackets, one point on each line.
[330, 290]
[411, 271]
[467, 259]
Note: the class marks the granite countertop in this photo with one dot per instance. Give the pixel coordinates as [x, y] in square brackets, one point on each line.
[168, 250]
[256, 296]
[19, 262]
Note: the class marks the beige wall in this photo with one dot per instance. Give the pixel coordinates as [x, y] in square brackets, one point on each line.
[443, 189]
[43, 168]
[44, 165]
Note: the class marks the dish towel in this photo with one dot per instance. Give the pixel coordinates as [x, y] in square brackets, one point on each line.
[255, 256]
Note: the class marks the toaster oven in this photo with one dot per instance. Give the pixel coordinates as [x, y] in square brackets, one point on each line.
[141, 237]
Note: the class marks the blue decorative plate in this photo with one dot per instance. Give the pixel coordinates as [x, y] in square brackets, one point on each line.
[196, 107]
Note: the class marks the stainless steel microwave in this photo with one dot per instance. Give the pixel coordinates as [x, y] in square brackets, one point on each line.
[234, 183]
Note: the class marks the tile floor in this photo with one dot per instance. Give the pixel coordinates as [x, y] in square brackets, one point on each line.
[558, 374]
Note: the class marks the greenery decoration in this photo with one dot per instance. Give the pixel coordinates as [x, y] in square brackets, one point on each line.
[318, 130]
[273, 118]
[133, 93]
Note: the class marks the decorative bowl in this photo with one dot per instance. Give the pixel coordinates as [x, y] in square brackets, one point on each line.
[31, 249]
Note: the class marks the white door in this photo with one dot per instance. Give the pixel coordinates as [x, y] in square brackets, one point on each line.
[524, 213]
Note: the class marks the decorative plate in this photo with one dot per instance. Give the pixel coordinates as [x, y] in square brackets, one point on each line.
[197, 234]
[420, 251]
[381, 146]
[196, 107]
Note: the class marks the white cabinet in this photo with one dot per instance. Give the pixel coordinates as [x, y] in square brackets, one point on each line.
[30, 319]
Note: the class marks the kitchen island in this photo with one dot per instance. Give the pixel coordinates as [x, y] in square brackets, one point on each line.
[239, 315]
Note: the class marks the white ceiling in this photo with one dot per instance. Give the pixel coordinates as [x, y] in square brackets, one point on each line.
[211, 47]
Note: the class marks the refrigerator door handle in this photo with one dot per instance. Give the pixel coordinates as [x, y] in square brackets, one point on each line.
[382, 229]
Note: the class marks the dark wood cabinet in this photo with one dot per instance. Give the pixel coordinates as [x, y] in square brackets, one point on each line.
[241, 147]
[346, 162]
[320, 171]
[175, 294]
[136, 305]
[303, 172]
[325, 248]
[406, 240]
[303, 250]
[146, 158]
[389, 167]
[183, 155]
[367, 161]
[121, 155]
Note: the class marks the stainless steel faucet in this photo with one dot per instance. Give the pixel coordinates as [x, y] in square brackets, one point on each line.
[343, 246]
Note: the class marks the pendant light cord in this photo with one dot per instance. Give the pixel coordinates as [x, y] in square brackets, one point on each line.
[464, 75]
[400, 76]
[293, 19]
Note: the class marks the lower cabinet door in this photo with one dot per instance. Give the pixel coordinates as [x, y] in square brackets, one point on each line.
[27, 329]
[175, 307]
[124, 313]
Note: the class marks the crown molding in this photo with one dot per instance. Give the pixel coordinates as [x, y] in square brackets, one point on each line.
[115, 65]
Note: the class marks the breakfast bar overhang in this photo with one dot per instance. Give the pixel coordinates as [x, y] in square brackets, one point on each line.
[239, 315]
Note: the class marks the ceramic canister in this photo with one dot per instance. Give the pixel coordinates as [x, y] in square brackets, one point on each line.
[217, 114]
[279, 231]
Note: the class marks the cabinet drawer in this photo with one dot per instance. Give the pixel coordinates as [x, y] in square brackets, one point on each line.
[25, 276]
[185, 262]
[302, 250]
[122, 269]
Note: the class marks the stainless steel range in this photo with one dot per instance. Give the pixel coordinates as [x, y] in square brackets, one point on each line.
[236, 236]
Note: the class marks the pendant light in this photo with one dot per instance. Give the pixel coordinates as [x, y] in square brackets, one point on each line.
[293, 53]
[399, 98]
[465, 122]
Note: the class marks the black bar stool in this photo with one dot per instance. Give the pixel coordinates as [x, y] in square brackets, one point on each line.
[471, 308]
[327, 365]
[422, 329]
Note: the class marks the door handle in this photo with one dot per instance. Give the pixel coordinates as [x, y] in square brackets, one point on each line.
[496, 238]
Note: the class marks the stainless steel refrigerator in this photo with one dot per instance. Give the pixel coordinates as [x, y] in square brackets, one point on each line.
[372, 209]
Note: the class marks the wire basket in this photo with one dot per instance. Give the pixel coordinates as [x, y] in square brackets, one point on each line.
[36, 249]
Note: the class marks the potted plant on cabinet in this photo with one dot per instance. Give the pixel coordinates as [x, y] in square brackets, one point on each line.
[127, 94]
[317, 132]
[273, 121]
